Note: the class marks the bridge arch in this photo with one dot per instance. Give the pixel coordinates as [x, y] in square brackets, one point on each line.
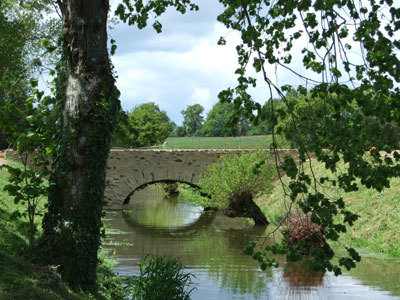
[191, 184]
[131, 169]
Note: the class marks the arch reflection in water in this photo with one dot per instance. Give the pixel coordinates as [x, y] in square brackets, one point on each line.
[168, 214]
[211, 246]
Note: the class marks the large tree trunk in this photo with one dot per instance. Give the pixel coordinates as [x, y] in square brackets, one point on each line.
[88, 103]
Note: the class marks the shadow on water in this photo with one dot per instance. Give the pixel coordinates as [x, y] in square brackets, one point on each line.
[211, 246]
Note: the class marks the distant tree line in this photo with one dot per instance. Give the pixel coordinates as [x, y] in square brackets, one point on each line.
[147, 125]
[220, 121]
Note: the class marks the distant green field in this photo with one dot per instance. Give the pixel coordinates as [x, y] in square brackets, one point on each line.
[241, 142]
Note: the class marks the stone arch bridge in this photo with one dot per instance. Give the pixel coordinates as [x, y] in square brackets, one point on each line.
[131, 169]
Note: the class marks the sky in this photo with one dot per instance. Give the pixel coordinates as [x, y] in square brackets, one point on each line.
[184, 65]
[181, 66]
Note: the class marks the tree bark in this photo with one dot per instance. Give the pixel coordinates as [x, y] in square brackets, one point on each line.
[84, 31]
[88, 102]
[242, 205]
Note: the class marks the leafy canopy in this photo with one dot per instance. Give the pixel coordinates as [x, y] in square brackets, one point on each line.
[146, 125]
[218, 120]
[192, 119]
[350, 62]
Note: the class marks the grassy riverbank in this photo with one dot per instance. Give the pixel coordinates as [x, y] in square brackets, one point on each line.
[374, 233]
[21, 278]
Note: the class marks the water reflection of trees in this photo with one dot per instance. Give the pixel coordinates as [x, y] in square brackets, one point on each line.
[226, 264]
[165, 213]
[299, 274]
[382, 273]
[215, 244]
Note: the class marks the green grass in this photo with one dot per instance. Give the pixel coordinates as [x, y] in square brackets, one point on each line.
[376, 232]
[242, 142]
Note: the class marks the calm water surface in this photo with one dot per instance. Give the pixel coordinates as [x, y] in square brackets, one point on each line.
[211, 247]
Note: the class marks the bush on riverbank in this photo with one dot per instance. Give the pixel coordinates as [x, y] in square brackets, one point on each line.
[301, 233]
[235, 180]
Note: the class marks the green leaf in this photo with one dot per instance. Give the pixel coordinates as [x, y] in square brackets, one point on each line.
[15, 215]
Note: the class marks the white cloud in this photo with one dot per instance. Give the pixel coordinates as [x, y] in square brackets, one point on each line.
[202, 96]
[184, 65]
[175, 79]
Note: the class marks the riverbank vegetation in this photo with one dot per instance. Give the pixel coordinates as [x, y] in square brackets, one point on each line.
[21, 276]
[161, 277]
[373, 234]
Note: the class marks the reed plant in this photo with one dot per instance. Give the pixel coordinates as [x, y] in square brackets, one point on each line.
[161, 278]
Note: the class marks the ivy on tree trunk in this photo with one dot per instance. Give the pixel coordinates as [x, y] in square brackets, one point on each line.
[87, 107]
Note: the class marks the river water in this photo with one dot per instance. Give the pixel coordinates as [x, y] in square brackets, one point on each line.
[211, 248]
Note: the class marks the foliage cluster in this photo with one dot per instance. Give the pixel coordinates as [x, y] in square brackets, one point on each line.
[233, 175]
[33, 142]
[170, 189]
[220, 121]
[194, 196]
[313, 115]
[26, 46]
[192, 119]
[145, 125]
[328, 34]
[161, 278]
